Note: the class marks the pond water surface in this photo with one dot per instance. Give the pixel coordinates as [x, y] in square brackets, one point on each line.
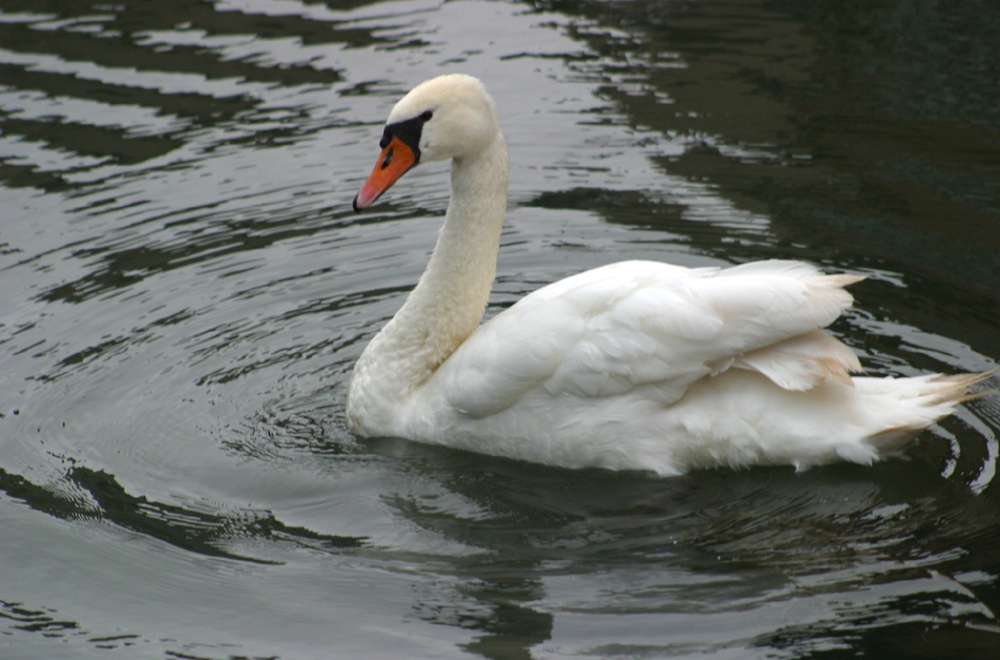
[185, 289]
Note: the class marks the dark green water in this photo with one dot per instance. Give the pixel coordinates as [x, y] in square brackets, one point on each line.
[185, 289]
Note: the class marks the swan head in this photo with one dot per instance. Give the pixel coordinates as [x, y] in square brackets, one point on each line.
[451, 116]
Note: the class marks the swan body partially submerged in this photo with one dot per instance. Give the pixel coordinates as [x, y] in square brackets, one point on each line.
[634, 365]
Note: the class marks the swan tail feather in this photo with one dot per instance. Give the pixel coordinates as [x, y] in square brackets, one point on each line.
[919, 402]
[958, 388]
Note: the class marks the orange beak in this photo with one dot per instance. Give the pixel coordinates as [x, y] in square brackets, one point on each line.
[393, 163]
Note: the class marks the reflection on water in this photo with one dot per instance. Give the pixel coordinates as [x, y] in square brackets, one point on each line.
[185, 290]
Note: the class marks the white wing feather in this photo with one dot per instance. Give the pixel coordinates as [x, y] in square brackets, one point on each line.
[635, 324]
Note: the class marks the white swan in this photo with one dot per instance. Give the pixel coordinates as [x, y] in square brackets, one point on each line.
[635, 365]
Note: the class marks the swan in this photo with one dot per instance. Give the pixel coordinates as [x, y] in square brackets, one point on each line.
[636, 365]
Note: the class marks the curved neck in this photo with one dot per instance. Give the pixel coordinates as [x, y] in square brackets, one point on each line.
[455, 287]
[448, 302]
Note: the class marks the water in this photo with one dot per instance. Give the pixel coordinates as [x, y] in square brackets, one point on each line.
[185, 289]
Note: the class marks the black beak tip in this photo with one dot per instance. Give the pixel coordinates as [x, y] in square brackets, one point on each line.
[355, 205]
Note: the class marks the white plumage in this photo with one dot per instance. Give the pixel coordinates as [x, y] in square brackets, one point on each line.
[634, 365]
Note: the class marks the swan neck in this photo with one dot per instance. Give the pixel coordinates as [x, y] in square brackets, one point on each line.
[452, 294]
[448, 302]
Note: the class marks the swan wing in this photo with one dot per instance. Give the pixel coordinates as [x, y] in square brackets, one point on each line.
[648, 325]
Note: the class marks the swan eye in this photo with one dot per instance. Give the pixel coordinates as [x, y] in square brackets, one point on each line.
[426, 116]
